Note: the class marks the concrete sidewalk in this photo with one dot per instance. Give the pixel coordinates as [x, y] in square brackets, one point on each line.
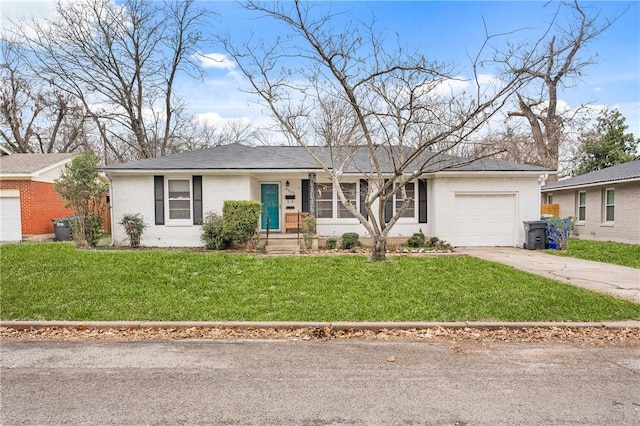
[619, 281]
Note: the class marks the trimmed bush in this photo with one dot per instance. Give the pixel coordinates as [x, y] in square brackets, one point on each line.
[331, 243]
[416, 240]
[240, 220]
[212, 233]
[350, 240]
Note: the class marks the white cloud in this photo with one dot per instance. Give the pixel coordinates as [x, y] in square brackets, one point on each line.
[215, 60]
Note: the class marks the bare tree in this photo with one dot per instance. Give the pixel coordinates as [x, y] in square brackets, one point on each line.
[398, 110]
[34, 117]
[121, 61]
[553, 62]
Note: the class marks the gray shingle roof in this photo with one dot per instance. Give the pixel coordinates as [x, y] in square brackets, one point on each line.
[624, 171]
[241, 157]
[29, 163]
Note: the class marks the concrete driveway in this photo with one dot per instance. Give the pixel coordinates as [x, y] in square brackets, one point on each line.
[619, 281]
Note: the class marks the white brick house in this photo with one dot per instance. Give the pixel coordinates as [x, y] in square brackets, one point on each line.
[479, 204]
[605, 203]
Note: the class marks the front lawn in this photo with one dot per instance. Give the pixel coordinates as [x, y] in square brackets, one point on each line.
[602, 251]
[55, 281]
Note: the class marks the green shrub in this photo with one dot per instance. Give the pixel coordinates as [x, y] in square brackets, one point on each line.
[93, 232]
[416, 240]
[212, 233]
[240, 220]
[433, 241]
[331, 243]
[134, 226]
[350, 240]
[308, 228]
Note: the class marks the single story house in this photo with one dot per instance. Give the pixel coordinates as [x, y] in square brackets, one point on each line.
[28, 200]
[479, 204]
[605, 203]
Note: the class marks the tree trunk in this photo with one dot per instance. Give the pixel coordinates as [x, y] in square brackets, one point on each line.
[379, 249]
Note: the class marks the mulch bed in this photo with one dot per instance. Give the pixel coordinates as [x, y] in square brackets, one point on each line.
[592, 336]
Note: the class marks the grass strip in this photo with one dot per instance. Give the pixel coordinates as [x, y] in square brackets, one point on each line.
[602, 251]
[55, 281]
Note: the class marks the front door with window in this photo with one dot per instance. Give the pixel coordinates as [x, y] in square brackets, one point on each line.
[270, 198]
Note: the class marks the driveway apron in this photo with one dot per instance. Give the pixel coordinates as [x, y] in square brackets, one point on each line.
[615, 280]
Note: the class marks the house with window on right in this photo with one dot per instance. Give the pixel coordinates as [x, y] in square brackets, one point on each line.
[605, 203]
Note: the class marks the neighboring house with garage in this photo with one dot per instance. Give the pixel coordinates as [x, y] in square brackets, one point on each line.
[28, 200]
[605, 203]
[479, 204]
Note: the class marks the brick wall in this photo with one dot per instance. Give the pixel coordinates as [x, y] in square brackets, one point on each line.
[39, 203]
[626, 226]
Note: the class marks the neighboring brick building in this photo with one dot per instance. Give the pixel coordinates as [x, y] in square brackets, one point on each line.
[28, 200]
[605, 203]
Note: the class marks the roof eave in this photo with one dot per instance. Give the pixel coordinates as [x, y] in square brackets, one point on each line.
[590, 184]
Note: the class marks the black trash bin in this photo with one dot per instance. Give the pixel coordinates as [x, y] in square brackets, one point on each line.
[535, 234]
[63, 230]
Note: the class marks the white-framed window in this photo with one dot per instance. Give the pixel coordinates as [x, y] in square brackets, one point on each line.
[549, 198]
[324, 201]
[609, 204]
[328, 204]
[582, 205]
[179, 198]
[411, 193]
[350, 191]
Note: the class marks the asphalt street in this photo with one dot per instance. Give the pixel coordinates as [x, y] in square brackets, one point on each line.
[317, 383]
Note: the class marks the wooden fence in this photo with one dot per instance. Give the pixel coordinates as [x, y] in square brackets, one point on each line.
[553, 209]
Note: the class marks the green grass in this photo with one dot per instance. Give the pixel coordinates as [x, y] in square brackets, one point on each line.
[602, 251]
[57, 282]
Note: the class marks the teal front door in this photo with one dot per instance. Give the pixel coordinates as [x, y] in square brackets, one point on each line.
[270, 198]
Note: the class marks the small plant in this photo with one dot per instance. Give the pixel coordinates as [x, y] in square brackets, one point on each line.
[134, 226]
[331, 243]
[350, 240]
[213, 236]
[441, 245]
[308, 228]
[416, 240]
[433, 241]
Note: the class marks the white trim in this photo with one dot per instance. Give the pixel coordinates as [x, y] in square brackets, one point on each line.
[9, 193]
[605, 205]
[589, 185]
[177, 222]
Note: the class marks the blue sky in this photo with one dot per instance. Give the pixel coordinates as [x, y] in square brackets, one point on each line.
[445, 31]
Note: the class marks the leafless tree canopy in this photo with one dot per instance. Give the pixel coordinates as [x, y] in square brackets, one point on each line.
[552, 62]
[342, 89]
[35, 117]
[120, 62]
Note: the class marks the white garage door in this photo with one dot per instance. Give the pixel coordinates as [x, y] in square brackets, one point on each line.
[485, 220]
[10, 223]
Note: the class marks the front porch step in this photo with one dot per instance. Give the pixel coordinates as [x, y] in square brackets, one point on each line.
[281, 243]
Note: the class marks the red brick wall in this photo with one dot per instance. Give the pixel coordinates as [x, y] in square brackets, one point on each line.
[39, 203]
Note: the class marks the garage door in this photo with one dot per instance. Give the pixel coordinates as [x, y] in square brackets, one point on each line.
[10, 223]
[485, 220]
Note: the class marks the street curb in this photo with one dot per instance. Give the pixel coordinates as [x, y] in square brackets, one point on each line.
[300, 324]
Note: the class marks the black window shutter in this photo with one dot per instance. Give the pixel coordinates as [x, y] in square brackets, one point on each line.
[158, 188]
[422, 201]
[364, 186]
[197, 200]
[388, 206]
[305, 195]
